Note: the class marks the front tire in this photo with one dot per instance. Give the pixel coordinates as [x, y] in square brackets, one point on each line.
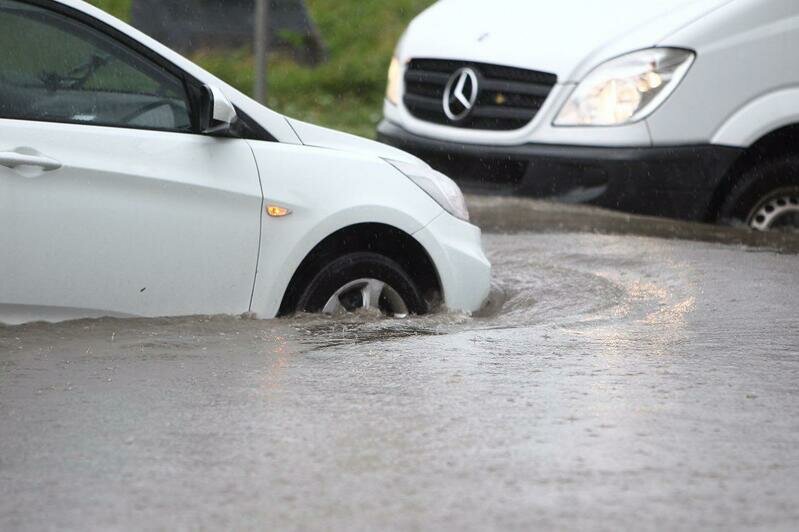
[766, 198]
[363, 281]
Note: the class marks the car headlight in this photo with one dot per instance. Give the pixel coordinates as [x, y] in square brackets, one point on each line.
[438, 186]
[626, 89]
[394, 81]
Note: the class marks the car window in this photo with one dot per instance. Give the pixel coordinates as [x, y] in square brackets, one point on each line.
[54, 68]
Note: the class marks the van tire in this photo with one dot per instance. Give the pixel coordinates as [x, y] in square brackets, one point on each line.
[773, 180]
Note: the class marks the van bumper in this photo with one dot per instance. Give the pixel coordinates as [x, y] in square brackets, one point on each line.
[676, 182]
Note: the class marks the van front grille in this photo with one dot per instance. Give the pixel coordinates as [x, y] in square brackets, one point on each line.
[506, 98]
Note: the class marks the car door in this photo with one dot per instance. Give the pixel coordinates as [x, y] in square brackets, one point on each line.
[111, 203]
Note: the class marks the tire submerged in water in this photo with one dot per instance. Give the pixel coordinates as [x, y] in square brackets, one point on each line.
[363, 281]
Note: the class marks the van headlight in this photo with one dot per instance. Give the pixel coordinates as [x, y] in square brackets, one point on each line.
[626, 89]
[438, 186]
[394, 81]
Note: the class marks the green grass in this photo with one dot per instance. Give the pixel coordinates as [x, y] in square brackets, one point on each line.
[346, 92]
[118, 8]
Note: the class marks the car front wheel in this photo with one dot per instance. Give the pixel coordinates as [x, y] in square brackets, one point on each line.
[363, 282]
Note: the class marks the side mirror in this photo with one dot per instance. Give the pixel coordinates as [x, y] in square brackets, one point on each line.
[217, 114]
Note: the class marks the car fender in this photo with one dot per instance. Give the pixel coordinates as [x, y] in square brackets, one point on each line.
[273, 276]
[325, 191]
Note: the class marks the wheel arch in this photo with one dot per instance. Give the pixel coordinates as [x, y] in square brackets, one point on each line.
[375, 237]
[779, 142]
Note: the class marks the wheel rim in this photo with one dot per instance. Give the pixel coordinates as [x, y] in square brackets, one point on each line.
[778, 212]
[366, 295]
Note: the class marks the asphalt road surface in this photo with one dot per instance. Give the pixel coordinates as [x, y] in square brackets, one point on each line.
[617, 381]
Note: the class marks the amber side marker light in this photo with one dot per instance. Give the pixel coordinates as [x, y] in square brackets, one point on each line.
[275, 211]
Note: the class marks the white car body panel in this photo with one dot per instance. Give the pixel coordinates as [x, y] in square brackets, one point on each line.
[133, 223]
[320, 137]
[328, 190]
[464, 270]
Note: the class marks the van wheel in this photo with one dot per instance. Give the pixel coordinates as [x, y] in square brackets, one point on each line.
[766, 198]
[363, 282]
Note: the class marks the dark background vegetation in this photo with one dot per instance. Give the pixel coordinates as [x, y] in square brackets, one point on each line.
[344, 93]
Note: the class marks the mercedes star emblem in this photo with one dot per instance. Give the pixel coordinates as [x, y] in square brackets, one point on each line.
[460, 94]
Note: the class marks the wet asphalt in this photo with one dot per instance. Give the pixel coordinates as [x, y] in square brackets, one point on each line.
[629, 374]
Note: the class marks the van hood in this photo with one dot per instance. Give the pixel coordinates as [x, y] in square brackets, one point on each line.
[321, 137]
[566, 37]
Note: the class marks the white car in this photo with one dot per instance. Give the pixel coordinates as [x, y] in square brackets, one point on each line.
[133, 183]
[680, 108]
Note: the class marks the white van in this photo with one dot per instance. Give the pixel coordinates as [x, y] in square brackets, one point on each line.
[678, 108]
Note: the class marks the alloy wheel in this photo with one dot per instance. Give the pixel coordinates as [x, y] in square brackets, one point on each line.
[367, 295]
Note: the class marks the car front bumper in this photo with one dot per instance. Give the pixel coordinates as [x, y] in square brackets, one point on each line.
[456, 249]
[676, 182]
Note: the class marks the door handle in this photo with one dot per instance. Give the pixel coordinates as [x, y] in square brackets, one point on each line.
[12, 159]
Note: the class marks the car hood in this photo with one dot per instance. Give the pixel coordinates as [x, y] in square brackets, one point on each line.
[321, 137]
[566, 37]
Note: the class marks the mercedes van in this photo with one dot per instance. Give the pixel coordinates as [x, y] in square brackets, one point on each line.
[679, 108]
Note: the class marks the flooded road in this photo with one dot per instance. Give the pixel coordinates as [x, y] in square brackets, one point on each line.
[617, 381]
